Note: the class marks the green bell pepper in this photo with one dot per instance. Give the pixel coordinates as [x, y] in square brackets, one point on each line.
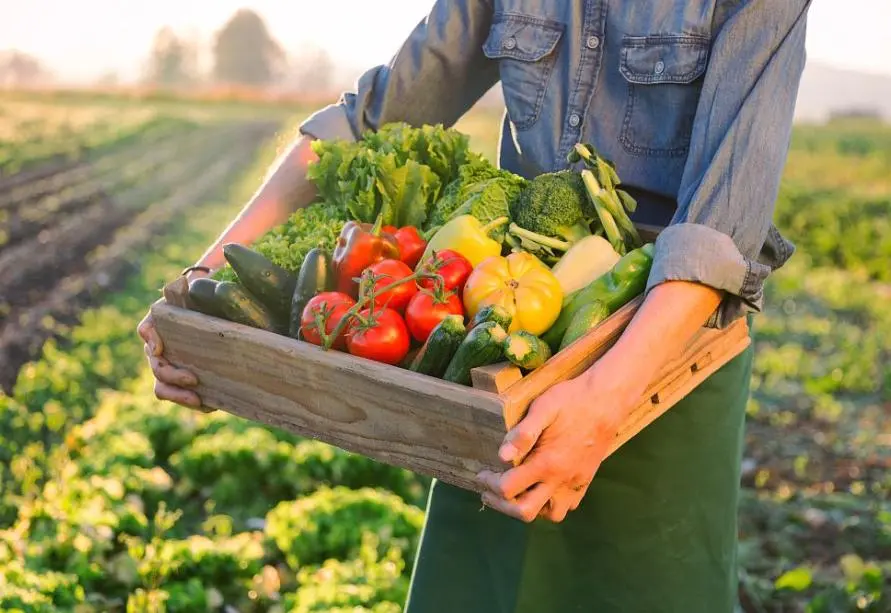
[622, 283]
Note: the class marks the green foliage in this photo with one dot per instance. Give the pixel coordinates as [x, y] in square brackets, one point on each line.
[317, 225]
[368, 582]
[397, 172]
[330, 523]
[481, 189]
[114, 501]
[551, 215]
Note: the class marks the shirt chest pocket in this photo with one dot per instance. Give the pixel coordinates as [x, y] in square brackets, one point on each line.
[526, 49]
[664, 77]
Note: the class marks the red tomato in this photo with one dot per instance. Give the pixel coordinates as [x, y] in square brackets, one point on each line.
[398, 297]
[411, 245]
[383, 339]
[454, 271]
[425, 311]
[337, 304]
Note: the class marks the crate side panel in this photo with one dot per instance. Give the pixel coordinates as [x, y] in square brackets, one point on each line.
[389, 414]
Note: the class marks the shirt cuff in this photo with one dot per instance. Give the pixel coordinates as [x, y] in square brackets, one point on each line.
[700, 254]
[329, 123]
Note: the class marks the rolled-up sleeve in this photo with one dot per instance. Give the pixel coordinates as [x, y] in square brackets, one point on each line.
[738, 149]
[436, 76]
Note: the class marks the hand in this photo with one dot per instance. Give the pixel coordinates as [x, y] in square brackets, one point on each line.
[171, 383]
[563, 438]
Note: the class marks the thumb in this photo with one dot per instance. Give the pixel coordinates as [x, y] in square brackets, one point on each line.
[520, 439]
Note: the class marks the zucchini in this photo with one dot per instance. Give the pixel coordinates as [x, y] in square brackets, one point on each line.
[409, 358]
[526, 350]
[239, 306]
[201, 295]
[482, 346]
[491, 312]
[440, 347]
[315, 277]
[269, 283]
[587, 317]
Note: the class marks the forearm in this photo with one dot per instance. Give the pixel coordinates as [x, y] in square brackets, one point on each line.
[669, 317]
[284, 190]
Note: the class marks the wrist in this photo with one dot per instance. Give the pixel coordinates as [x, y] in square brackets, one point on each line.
[618, 384]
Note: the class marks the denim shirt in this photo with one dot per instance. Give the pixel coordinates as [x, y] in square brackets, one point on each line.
[692, 99]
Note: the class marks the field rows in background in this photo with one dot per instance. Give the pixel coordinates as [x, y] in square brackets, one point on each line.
[52, 275]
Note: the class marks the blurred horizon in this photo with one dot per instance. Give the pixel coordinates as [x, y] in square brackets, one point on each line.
[325, 46]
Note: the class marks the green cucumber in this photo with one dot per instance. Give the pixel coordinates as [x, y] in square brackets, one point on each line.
[492, 312]
[269, 283]
[315, 277]
[239, 306]
[440, 347]
[587, 317]
[482, 346]
[526, 350]
[201, 295]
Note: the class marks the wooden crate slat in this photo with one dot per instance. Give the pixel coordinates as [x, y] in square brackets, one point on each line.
[395, 416]
[386, 413]
[570, 362]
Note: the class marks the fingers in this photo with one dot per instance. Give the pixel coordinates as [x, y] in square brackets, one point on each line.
[525, 508]
[179, 395]
[564, 500]
[146, 331]
[559, 505]
[167, 373]
[522, 437]
[515, 481]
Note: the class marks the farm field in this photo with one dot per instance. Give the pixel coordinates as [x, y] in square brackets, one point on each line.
[113, 501]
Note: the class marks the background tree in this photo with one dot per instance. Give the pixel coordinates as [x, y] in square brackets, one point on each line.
[18, 69]
[244, 51]
[171, 60]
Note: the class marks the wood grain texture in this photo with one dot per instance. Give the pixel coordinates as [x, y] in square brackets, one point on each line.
[705, 355]
[495, 378]
[393, 415]
[176, 293]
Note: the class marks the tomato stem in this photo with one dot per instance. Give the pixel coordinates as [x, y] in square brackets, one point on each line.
[366, 297]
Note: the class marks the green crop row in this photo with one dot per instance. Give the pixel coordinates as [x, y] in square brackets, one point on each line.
[114, 501]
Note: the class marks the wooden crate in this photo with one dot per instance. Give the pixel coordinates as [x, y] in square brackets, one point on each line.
[393, 415]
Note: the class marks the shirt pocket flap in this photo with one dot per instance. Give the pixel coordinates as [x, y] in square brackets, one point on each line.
[663, 58]
[520, 37]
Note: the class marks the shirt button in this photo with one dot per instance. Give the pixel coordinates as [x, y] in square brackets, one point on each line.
[660, 67]
[574, 120]
[510, 43]
[593, 42]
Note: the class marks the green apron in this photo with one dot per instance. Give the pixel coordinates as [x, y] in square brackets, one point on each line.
[656, 532]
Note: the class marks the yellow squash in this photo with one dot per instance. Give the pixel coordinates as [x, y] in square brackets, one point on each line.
[521, 284]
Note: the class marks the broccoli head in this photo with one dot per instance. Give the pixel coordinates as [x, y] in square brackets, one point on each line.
[482, 190]
[553, 211]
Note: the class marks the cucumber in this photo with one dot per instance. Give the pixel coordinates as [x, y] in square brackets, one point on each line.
[315, 277]
[491, 312]
[526, 350]
[482, 346]
[239, 306]
[440, 347]
[269, 283]
[201, 295]
[587, 317]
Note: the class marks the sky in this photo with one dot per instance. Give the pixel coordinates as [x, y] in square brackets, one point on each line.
[85, 39]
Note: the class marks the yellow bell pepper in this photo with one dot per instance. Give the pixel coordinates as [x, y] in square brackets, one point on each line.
[466, 235]
[520, 283]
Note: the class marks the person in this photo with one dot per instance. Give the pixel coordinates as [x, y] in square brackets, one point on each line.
[693, 100]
